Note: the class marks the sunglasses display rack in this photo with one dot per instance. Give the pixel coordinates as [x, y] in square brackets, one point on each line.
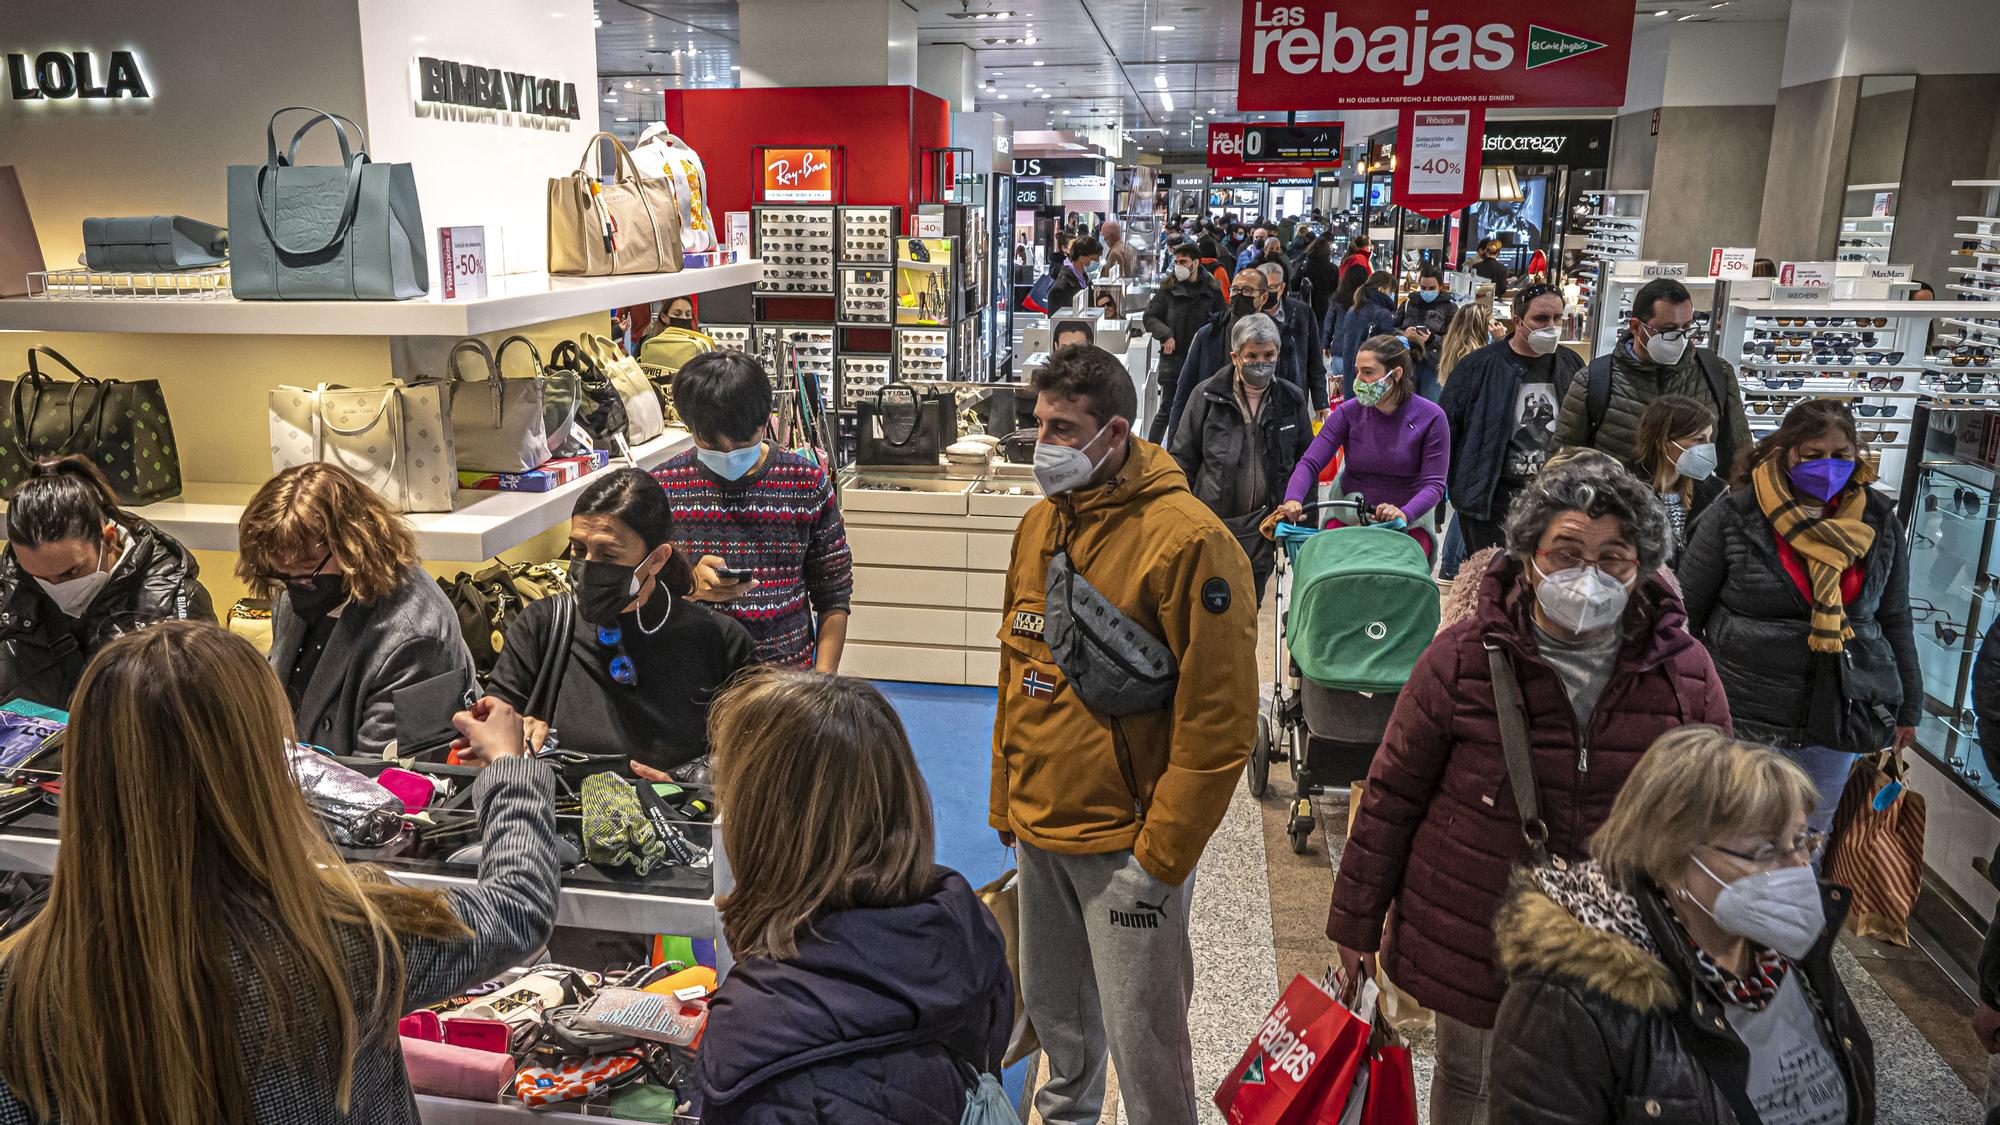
[812, 348]
[923, 354]
[867, 296]
[862, 375]
[1865, 238]
[729, 337]
[795, 244]
[868, 235]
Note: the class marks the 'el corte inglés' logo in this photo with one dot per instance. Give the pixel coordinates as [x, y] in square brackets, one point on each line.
[1546, 45]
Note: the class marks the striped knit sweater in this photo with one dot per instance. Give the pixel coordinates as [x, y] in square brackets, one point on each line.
[783, 526]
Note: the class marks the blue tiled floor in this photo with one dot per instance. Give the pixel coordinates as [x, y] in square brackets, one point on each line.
[951, 729]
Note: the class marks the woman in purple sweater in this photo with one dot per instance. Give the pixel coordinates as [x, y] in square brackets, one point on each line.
[1398, 446]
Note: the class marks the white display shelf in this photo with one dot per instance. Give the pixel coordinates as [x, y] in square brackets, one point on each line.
[481, 525]
[515, 301]
[1923, 309]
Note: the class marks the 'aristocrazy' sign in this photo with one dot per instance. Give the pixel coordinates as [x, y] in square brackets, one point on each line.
[469, 92]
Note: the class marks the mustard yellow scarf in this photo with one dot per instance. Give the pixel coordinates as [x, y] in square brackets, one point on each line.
[1830, 543]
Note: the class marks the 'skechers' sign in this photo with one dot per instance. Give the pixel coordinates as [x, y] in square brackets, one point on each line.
[1335, 54]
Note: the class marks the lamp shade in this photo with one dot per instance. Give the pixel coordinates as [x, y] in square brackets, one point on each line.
[1499, 185]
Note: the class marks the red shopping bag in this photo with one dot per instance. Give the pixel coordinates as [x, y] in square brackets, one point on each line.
[1301, 1067]
[1392, 1089]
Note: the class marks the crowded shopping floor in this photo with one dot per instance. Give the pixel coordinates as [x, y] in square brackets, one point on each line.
[1020, 562]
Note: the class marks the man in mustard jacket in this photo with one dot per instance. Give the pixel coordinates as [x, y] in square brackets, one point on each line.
[1111, 812]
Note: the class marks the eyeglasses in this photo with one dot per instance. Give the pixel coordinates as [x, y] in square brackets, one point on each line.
[275, 579]
[1921, 610]
[1875, 410]
[1807, 845]
[1618, 565]
[612, 637]
[1963, 499]
[1881, 382]
[1949, 631]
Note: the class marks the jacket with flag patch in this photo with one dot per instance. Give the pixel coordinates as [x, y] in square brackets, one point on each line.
[1066, 779]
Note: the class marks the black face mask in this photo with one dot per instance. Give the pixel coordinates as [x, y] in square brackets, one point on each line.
[681, 321]
[1242, 306]
[603, 589]
[316, 595]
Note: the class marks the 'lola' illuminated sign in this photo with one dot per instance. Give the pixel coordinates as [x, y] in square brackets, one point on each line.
[69, 75]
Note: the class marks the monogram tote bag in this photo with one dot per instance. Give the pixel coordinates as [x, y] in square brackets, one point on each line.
[345, 232]
[499, 425]
[396, 439]
[121, 426]
[630, 225]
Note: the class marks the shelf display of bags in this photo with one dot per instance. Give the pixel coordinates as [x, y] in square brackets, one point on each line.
[153, 242]
[563, 401]
[644, 419]
[346, 232]
[396, 439]
[122, 427]
[603, 413]
[501, 428]
[630, 225]
[660, 153]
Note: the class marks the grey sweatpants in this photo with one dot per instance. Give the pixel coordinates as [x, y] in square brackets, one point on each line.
[1105, 957]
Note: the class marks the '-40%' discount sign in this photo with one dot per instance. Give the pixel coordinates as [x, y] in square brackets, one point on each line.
[1345, 54]
[1437, 164]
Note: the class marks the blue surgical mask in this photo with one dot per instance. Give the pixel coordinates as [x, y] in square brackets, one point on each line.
[1427, 295]
[733, 465]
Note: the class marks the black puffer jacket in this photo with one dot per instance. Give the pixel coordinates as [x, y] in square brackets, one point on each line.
[43, 650]
[1213, 439]
[1754, 619]
[1604, 1021]
[1634, 386]
[1176, 312]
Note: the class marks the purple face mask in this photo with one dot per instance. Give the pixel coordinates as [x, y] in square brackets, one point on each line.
[1822, 478]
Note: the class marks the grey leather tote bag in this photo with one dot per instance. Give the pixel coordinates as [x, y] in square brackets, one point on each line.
[153, 242]
[346, 232]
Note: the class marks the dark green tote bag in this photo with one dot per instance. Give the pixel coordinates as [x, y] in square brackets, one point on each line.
[345, 232]
[121, 427]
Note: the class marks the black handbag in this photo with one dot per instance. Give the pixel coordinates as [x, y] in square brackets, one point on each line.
[122, 427]
[602, 413]
[1848, 709]
[900, 427]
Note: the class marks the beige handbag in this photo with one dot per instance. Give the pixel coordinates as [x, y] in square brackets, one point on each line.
[396, 439]
[644, 420]
[498, 424]
[630, 225]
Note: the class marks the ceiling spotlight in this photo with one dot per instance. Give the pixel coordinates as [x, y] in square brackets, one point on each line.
[1164, 27]
[1663, 12]
[1037, 62]
[1160, 81]
[1045, 97]
[1003, 97]
[1167, 100]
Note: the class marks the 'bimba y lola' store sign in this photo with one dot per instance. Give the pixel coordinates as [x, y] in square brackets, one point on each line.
[75, 75]
[1336, 54]
[469, 92]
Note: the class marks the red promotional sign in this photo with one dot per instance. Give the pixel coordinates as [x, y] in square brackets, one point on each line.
[1344, 54]
[1226, 159]
[1437, 158]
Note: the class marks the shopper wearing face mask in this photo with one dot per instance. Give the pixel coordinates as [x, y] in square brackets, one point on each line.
[1185, 301]
[1073, 276]
[1208, 353]
[1685, 972]
[1244, 429]
[1323, 275]
[76, 572]
[1676, 446]
[354, 618]
[1655, 356]
[1605, 666]
[1423, 319]
[1302, 361]
[760, 522]
[642, 663]
[1798, 581]
[1501, 402]
[1372, 313]
[1112, 785]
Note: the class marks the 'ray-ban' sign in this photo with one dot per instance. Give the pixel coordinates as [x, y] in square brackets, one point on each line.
[465, 90]
[65, 75]
[1343, 54]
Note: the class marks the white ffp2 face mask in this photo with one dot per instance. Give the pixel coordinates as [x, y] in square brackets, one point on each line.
[1183, 272]
[1778, 909]
[1666, 352]
[1063, 468]
[75, 595]
[1543, 341]
[1581, 599]
[1696, 462]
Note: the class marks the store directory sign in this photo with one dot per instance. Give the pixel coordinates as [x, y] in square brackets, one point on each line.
[1292, 144]
[1335, 54]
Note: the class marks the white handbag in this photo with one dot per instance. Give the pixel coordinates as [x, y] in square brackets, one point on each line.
[396, 439]
[661, 154]
[644, 420]
[499, 424]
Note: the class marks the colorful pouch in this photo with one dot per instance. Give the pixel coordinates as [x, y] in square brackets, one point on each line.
[572, 1080]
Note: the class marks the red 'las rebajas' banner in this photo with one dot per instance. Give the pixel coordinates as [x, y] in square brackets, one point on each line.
[1347, 54]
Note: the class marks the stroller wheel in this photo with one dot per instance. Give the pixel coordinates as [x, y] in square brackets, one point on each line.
[1302, 824]
[1260, 759]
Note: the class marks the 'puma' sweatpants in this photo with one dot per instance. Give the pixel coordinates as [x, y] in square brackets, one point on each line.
[1105, 961]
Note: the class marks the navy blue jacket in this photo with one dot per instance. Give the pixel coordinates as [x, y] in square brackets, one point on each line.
[1375, 317]
[1479, 405]
[1208, 354]
[1301, 360]
[860, 1028]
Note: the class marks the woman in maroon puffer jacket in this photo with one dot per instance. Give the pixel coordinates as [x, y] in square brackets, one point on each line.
[1605, 664]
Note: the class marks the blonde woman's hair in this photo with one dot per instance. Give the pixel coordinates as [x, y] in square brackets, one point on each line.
[1470, 330]
[826, 758]
[310, 510]
[1694, 785]
[193, 875]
